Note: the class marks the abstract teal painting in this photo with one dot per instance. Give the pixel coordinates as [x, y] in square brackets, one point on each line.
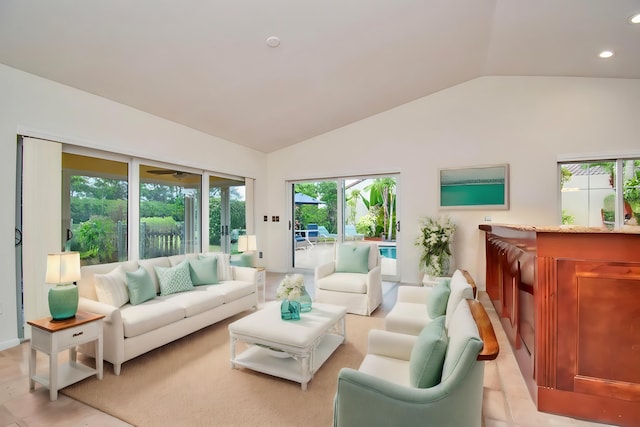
[483, 187]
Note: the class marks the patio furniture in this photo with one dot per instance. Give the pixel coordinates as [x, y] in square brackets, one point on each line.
[301, 242]
[350, 233]
[325, 236]
[352, 279]
[312, 232]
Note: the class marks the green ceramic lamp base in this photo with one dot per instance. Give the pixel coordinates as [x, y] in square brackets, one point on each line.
[63, 301]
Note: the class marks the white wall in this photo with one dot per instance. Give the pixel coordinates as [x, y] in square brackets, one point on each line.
[527, 122]
[524, 121]
[38, 107]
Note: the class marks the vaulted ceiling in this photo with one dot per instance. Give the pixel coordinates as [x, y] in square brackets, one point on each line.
[207, 64]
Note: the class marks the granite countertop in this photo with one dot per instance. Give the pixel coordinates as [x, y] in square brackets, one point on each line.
[626, 229]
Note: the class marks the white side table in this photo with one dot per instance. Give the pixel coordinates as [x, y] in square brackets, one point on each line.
[261, 282]
[52, 337]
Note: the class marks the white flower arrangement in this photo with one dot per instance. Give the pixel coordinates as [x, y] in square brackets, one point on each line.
[435, 240]
[291, 287]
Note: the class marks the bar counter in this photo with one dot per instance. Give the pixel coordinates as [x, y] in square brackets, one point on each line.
[569, 301]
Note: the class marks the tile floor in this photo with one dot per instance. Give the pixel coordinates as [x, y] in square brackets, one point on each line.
[506, 400]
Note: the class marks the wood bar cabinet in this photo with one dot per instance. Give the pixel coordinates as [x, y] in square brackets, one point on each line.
[569, 301]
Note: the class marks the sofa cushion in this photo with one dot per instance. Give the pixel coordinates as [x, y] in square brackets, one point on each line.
[149, 316]
[140, 285]
[427, 355]
[437, 300]
[355, 283]
[407, 318]
[174, 279]
[352, 258]
[196, 301]
[111, 288]
[232, 290]
[204, 271]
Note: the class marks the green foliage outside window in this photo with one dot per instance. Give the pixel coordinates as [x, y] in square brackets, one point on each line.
[96, 239]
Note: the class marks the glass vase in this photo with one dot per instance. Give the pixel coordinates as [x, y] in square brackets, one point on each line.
[289, 310]
[305, 301]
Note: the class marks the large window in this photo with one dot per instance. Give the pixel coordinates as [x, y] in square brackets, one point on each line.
[165, 209]
[603, 193]
[95, 206]
[169, 212]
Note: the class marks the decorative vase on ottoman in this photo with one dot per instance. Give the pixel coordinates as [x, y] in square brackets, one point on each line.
[289, 310]
[294, 297]
[305, 301]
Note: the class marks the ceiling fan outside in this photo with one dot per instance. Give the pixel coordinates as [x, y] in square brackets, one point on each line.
[174, 173]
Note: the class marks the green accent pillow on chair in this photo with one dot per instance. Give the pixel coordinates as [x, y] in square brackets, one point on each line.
[140, 285]
[427, 355]
[352, 259]
[204, 271]
[437, 300]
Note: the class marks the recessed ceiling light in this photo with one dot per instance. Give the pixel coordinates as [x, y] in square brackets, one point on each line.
[635, 19]
[273, 41]
[606, 54]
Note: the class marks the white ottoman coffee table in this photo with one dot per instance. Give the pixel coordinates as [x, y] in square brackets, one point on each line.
[290, 349]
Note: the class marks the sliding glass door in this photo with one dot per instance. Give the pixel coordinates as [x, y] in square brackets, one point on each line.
[347, 209]
[227, 213]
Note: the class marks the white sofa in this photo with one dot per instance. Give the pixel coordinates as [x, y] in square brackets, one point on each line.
[132, 330]
[410, 314]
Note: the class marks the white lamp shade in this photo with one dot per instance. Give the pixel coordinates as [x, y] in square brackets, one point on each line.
[63, 267]
[247, 243]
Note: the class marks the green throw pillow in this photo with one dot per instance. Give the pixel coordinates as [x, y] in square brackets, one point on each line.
[427, 355]
[174, 279]
[352, 259]
[242, 260]
[437, 301]
[140, 285]
[204, 271]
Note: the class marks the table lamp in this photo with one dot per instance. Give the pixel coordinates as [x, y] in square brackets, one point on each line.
[63, 269]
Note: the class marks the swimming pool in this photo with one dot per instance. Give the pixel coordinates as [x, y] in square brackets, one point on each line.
[387, 251]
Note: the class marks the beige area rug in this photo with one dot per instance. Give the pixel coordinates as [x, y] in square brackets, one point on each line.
[190, 382]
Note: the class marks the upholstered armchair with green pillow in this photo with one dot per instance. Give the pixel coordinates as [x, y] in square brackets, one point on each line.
[432, 379]
[352, 279]
[416, 306]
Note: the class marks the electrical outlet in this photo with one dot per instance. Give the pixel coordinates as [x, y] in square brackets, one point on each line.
[260, 254]
[266, 218]
[487, 218]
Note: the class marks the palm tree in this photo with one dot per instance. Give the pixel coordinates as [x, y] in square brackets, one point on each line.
[381, 194]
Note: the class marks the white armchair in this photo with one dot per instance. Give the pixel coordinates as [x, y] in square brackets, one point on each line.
[353, 279]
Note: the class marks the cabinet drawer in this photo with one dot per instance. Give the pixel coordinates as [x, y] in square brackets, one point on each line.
[78, 335]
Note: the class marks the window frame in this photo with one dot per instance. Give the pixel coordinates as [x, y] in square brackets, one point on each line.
[618, 184]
